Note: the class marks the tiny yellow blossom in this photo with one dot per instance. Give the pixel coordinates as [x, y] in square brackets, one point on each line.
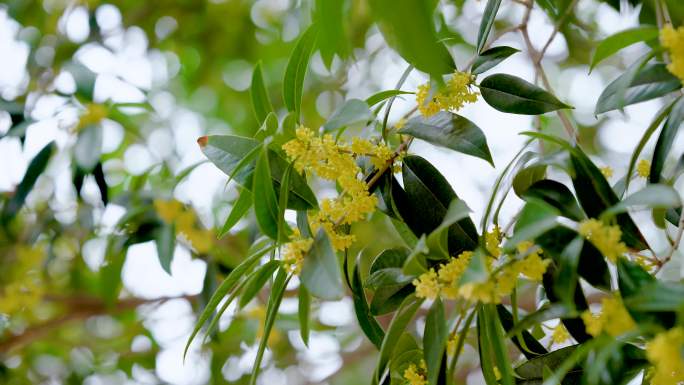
[480, 291]
[335, 161]
[673, 40]
[497, 373]
[532, 265]
[493, 241]
[560, 334]
[607, 171]
[415, 375]
[450, 274]
[400, 124]
[168, 210]
[456, 93]
[665, 354]
[293, 251]
[427, 285]
[613, 318]
[643, 168]
[606, 238]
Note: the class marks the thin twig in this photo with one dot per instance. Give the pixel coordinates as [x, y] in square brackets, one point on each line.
[539, 69]
[556, 29]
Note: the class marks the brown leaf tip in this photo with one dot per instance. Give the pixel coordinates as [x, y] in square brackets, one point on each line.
[202, 141]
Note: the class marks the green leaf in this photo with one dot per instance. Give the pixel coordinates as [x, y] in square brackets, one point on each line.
[166, 243]
[491, 58]
[546, 312]
[660, 116]
[666, 139]
[487, 22]
[531, 347]
[256, 282]
[566, 278]
[416, 41]
[484, 348]
[321, 271]
[304, 313]
[88, 147]
[277, 291]
[654, 196]
[508, 93]
[261, 103]
[573, 322]
[498, 343]
[368, 324]
[240, 207]
[265, 205]
[638, 84]
[591, 266]
[389, 258]
[435, 339]
[557, 195]
[269, 127]
[284, 230]
[235, 156]
[437, 241]
[527, 177]
[36, 167]
[534, 368]
[595, 195]
[400, 321]
[452, 131]
[614, 43]
[295, 72]
[535, 219]
[353, 111]
[332, 37]
[384, 95]
[224, 288]
[428, 196]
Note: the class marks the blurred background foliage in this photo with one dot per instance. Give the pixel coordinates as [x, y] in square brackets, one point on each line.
[103, 103]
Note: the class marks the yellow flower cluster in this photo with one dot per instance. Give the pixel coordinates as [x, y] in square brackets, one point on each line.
[173, 211]
[293, 251]
[492, 242]
[673, 40]
[415, 375]
[24, 287]
[456, 93]
[643, 168]
[560, 334]
[335, 161]
[607, 171]
[606, 238]
[665, 353]
[431, 284]
[613, 318]
[502, 284]
[445, 282]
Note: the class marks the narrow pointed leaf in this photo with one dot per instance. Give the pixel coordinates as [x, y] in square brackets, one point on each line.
[321, 271]
[491, 58]
[261, 103]
[295, 72]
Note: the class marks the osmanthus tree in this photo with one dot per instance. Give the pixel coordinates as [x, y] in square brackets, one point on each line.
[461, 279]
[314, 195]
